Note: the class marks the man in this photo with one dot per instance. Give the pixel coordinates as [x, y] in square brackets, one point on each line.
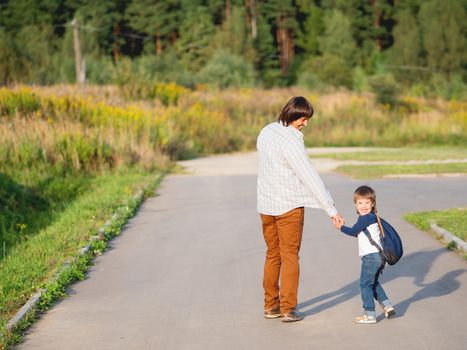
[287, 182]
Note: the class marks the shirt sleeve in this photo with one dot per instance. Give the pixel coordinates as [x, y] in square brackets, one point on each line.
[298, 160]
[362, 223]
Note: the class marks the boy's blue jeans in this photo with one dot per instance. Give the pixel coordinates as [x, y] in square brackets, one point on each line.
[371, 289]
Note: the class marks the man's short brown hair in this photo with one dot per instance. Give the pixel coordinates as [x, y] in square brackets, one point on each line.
[296, 108]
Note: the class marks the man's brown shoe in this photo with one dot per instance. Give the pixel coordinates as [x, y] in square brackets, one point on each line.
[273, 313]
[292, 316]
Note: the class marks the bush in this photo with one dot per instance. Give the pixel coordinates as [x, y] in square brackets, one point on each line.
[162, 68]
[227, 70]
[328, 69]
[449, 88]
[99, 70]
[10, 67]
[360, 80]
[385, 88]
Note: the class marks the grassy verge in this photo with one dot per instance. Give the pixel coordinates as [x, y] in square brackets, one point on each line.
[399, 154]
[32, 263]
[452, 220]
[379, 171]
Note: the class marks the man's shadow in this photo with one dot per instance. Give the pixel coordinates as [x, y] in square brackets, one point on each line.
[415, 265]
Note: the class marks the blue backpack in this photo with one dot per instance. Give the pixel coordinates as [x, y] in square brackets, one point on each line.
[391, 250]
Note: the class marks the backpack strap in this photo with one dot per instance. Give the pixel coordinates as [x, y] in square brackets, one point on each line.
[367, 233]
[380, 225]
[380, 250]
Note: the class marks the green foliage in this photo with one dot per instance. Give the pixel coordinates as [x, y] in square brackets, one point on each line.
[234, 37]
[37, 51]
[10, 66]
[386, 89]
[453, 88]
[99, 70]
[360, 80]
[420, 42]
[327, 69]
[337, 39]
[227, 70]
[282, 15]
[196, 33]
[443, 29]
[313, 28]
[104, 15]
[452, 245]
[158, 19]
[168, 94]
[63, 59]
[406, 51]
[268, 63]
[20, 13]
[12, 103]
[137, 77]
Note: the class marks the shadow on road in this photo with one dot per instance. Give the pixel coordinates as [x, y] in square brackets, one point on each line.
[415, 265]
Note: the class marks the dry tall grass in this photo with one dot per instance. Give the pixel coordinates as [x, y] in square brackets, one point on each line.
[95, 128]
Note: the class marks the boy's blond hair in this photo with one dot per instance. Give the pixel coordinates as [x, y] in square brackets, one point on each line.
[365, 192]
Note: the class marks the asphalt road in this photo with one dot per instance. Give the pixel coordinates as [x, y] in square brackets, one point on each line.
[187, 274]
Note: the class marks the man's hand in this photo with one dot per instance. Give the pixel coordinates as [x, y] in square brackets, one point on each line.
[338, 221]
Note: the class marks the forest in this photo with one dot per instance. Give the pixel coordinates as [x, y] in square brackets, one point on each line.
[415, 45]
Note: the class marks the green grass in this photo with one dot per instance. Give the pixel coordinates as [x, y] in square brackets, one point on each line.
[379, 171]
[399, 154]
[452, 220]
[33, 200]
[35, 259]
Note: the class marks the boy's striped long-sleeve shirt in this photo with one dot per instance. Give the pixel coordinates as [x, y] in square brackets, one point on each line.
[370, 223]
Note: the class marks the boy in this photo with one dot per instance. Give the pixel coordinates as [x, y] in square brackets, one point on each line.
[372, 263]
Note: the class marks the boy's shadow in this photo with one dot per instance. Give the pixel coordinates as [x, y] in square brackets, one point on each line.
[415, 265]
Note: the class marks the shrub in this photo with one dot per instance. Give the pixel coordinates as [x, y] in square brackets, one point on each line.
[99, 70]
[169, 93]
[22, 102]
[10, 67]
[385, 88]
[360, 80]
[227, 70]
[329, 69]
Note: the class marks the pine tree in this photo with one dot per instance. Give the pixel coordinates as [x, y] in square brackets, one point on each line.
[234, 36]
[444, 28]
[157, 18]
[268, 58]
[370, 25]
[313, 28]
[337, 39]
[282, 14]
[101, 24]
[406, 51]
[196, 32]
[10, 65]
[18, 13]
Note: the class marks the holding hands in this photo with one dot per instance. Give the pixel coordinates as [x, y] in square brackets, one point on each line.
[338, 221]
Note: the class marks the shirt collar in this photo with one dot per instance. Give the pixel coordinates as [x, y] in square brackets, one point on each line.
[295, 132]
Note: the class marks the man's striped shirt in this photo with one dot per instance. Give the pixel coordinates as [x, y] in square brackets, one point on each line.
[286, 177]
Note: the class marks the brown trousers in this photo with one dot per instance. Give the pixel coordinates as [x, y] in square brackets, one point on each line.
[283, 236]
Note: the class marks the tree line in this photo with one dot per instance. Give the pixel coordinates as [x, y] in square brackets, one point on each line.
[236, 42]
